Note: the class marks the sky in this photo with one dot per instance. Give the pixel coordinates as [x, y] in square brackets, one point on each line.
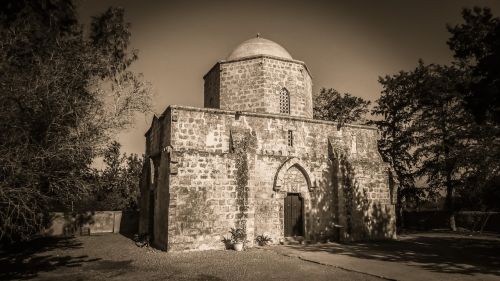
[346, 45]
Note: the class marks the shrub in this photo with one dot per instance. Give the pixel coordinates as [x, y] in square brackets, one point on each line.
[263, 240]
[238, 235]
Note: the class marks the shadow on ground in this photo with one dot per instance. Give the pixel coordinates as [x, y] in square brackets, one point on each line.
[438, 252]
[26, 260]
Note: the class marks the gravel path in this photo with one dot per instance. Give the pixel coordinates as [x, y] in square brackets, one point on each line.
[114, 257]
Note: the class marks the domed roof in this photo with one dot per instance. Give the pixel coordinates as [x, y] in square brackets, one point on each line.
[259, 46]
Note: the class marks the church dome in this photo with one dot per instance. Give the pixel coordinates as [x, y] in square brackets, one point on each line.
[259, 46]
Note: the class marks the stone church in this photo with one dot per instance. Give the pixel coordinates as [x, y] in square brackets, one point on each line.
[254, 158]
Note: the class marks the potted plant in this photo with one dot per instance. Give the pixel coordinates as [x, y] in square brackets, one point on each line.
[263, 240]
[238, 237]
[228, 244]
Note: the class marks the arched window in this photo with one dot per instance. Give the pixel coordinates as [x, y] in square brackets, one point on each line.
[284, 101]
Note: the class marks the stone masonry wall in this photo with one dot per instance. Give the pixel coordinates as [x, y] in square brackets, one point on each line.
[212, 88]
[293, 76]
[338, 173]
[254, 84]
[242, 85]
[155, 180]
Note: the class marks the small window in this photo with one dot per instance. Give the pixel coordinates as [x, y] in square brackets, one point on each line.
[290, 138]
[152, 171]
[231, 143]
[284, 101]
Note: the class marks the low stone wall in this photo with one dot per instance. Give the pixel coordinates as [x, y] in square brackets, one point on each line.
[63, 224]
[471, 220]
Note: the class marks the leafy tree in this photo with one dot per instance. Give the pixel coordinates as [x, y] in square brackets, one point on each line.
[443, 128]
[131, 176]
[476, 47]
[117, 186]
[397, 107]
[331, 105]
[109, 184]
[440, 123]
[63, 95]
[426, 130]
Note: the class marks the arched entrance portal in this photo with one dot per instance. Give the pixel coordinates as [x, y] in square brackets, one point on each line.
[294, 183]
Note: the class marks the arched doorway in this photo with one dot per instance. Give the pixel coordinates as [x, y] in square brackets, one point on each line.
[292, 185]
[294, 182]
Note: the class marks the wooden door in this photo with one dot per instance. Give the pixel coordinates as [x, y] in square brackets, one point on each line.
[293, 221]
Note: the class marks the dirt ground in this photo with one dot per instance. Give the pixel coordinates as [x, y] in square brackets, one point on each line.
[426, 256]
[115, 257]
[429, 256]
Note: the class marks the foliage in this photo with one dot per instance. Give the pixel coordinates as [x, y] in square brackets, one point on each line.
[117, 186]
[242, 183]
[141, 240]
[243, 145]
[396, 106]
[263, 240]
[440, 122]
[443, 129]
[242, 163]
[425, 129]
[331, 105]
[238, 235]
[64, 93]
[227, 242]
[476, 46]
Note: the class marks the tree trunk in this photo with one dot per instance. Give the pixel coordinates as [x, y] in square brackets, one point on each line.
[484, 223]
[450, 208]
[400, 223]
[453, 226]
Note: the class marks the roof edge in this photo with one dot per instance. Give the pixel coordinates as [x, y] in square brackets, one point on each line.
[257, 57]
[261, 114]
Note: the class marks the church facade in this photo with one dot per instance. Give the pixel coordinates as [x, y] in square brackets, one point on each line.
[254, 158]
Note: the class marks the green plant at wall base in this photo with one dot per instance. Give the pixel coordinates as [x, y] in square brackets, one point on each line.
[263, 240]
[227, 242]
[238, 235]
